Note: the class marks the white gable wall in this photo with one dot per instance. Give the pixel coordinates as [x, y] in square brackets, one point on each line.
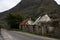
[45, 18]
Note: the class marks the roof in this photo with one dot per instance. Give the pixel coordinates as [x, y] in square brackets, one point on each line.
[44, 18]
[30, 22]
[23, 23]
[37, 20]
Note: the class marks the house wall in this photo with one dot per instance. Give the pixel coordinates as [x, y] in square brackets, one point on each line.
[50, 29]
[43, 28]
[30, 28]
[36, 29]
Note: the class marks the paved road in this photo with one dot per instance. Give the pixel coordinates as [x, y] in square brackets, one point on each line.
[10, 35]
[0, 37]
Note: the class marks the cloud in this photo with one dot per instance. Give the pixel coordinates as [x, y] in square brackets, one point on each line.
[8, 4]
[58, 2]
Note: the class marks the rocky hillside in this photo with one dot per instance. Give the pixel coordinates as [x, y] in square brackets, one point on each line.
[36, 8]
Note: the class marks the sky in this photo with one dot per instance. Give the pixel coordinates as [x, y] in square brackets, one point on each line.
[8, 4]
[58, 2]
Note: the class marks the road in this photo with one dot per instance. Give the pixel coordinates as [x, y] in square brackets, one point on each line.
[13, 35]
[1, 37]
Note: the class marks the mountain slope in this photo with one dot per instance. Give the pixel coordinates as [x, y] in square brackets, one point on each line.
[35, 8]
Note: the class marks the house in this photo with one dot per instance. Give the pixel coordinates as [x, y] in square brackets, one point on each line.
[26, 25]
[45, 24]
[29, 25]
[41, 24]
[36, 26]
[37, 20]
[23, 24]
[45, 18]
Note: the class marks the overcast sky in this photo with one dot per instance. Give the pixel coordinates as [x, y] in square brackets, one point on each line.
[8, 4]
[58, 2]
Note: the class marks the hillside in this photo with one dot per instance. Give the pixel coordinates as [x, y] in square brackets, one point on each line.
[35, 8]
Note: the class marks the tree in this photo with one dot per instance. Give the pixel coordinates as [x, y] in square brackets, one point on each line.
[3, 24]
[13, 19]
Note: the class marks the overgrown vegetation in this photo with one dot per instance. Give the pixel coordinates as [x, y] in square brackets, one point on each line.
[3, 24]
[14, 20]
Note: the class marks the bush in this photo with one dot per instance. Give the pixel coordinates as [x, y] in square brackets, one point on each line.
[13, 19]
